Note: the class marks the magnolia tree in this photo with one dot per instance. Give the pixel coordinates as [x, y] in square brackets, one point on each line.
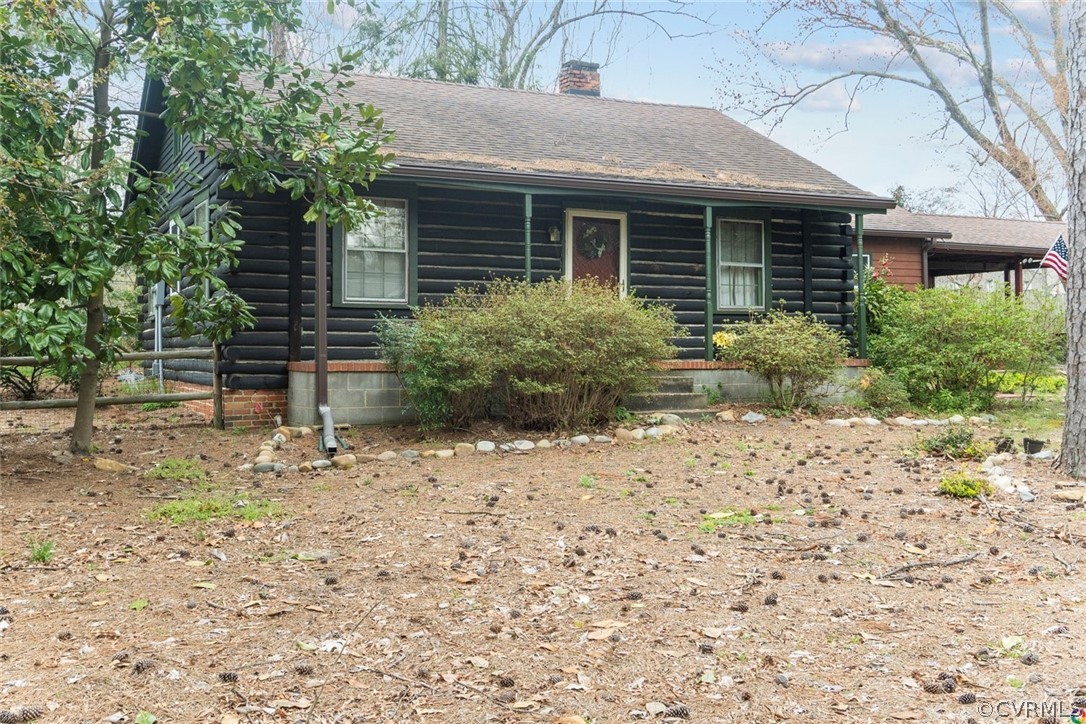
[74, 209]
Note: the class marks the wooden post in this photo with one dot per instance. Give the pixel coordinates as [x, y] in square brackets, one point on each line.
[710, 273]
[1019, 286]
[528, 238]
[861, 302]
[216, 389]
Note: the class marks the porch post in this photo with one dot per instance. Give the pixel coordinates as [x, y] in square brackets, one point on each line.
[861, 302]
[1019, 286]
[528, 238]
[709, 276]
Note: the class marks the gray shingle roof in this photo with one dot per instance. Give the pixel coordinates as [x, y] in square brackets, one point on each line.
[971, 232]
[538, 136]
[901, 222]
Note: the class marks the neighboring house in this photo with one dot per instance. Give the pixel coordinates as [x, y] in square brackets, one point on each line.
[678, 204]
[924, 248]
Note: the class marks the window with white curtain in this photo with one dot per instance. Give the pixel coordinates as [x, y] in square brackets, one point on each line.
[740, 281]
[374, 255]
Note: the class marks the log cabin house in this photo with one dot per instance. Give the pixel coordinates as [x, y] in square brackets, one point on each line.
[675, 203]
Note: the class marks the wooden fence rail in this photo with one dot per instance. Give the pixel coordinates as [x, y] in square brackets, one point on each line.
[215, 395]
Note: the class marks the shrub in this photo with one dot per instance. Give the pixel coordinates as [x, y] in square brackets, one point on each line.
[880, 296]
[552, 354]
[955, 442]
[793, 353]
[941, 344]
[881, 393]
[963, 485]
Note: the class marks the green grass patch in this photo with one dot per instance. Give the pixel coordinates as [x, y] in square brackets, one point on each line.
[588, 482]
[213, 507]
[963, 485]
[152, 406]
[732, 517]
[177, 469]
[41, 551]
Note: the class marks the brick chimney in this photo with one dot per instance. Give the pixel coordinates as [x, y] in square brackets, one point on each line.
[579, 78]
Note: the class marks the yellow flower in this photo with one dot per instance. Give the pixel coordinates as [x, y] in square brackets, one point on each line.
[723, 340]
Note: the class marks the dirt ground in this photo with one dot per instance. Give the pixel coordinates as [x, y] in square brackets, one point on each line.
[562, 585]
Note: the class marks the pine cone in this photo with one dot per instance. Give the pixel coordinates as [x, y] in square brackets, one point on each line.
[740, 606]
[228, 677]
[770, 600]
[303, 669]
[967, 698]
[30, 713]
[677, 712]
[142, 665]
[7, 717]
[506, 682]
[933, 687]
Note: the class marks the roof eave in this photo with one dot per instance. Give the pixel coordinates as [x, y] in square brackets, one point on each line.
[962, 246]
[864, 204]
[908, 234]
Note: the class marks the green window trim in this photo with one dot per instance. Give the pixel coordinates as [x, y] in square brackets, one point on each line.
[340, 252]
[764, 265]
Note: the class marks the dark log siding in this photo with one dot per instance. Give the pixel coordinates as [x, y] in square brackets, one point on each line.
[470, 237]
[202, 175]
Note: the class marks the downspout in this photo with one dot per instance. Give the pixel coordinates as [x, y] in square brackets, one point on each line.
[861, 301]
[709, 274]
[320, 335]
[528, 238]
[925, 247]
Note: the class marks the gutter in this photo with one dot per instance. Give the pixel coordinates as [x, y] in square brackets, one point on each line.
[320, 335]
[925, 247]
[702, 193]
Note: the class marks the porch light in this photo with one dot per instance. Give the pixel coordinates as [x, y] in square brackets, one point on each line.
[555, 234]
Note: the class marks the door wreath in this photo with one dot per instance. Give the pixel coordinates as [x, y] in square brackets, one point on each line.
[592, 243]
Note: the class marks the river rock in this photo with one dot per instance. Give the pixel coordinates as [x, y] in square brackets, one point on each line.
[319, 464]
[725, 416]
[444, 454]
[464, 448]
[523, 445]
[580, 440]
[345, 461]
[110, 466]
[602, 439]
[485, 446]
[387, 455]
[409, 454]
[753, 418]
[543, 444]
[265, 467]
[837, 423]
[305, 468]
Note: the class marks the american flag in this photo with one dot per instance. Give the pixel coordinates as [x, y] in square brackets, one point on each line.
[1056, 258]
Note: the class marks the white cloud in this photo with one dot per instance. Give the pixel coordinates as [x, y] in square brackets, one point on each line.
[834, 98]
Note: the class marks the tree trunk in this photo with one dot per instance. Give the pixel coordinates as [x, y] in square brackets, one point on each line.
[1073, 453]
[83, 429]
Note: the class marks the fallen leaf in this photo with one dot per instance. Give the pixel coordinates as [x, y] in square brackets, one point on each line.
[570, 720]
[203, 584]
[697, 582]
[230, 719]
[1009, 642]
[713, 633]
[906, 715]
[467, 578]
[196, 564]
[913, 549]
[600, 634]
[305, 646]
[609, 623]
[302, 703]
[525, 705]
[478, 662]
[314, 607]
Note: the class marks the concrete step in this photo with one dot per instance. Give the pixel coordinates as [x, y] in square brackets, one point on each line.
[675, 383]
[693, 415]
[667, 402]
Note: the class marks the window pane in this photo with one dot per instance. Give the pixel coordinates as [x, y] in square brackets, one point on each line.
[740, 287]
[388, 231]
[740, 242]
[376, 275]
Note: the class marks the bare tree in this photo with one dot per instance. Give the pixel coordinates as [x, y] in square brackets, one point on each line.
[494, 42]
[996, 70]
[1073, 451]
